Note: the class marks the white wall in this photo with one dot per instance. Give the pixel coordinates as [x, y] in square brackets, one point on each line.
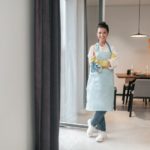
[16, 62]
[123, 22]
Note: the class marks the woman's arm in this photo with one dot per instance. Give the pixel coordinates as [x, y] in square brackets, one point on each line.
[113, 60]
[91, 55]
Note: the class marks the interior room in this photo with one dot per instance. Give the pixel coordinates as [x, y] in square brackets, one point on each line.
[133, 53]
[44, 67]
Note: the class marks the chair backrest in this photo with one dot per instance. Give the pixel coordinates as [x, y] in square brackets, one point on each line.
[142, 88]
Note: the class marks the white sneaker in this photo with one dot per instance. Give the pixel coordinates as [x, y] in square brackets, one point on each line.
[101, 136]
[91, 131]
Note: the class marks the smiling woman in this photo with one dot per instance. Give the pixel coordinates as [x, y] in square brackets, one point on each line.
[100, 86]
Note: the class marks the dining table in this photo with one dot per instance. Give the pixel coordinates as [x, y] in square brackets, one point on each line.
[133, 75]
[130, 79]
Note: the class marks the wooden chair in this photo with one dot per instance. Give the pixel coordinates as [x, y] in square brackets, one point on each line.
[141, 91]
[127, 87]
[124, 92]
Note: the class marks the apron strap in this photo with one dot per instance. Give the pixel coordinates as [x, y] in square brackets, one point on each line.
[97, 47]
[109, 47]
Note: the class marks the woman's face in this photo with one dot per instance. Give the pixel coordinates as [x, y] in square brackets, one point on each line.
[102, 34]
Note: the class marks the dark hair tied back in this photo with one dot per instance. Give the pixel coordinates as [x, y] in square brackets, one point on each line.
[103, 25]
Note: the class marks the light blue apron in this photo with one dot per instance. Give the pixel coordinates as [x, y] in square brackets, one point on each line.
[100, 85]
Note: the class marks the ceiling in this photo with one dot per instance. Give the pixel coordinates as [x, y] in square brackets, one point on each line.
[119, 2]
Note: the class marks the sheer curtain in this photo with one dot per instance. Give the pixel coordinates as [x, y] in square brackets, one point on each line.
[72, 59]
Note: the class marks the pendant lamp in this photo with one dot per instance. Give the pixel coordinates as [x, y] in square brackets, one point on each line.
[139, 35]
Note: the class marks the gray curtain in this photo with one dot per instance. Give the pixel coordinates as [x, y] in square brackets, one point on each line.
[47, 73]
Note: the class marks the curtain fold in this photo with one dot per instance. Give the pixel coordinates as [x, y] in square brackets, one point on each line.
[47, 73]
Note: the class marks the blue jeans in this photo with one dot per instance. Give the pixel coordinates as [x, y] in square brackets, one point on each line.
[98, 120]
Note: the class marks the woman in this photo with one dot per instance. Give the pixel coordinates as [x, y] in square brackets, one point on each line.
[100, 86]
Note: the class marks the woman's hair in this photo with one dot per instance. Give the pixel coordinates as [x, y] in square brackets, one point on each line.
[103, 25]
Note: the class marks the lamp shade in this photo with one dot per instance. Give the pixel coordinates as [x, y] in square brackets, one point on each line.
[139, 35]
